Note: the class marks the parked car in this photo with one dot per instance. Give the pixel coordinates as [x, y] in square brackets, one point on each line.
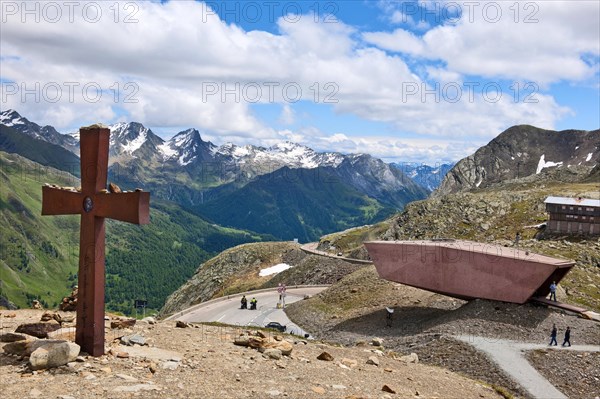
[276, 326]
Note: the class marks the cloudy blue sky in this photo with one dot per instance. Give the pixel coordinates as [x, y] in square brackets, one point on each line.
[426, 81]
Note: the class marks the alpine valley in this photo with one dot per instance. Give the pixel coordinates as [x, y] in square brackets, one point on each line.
[282, 192]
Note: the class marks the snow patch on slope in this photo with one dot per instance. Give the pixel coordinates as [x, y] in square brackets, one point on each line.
[274, 269]
[542, 164]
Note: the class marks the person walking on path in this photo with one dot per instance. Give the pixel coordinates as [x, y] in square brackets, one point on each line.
[567, 337]
[553, 335]
[553, 291]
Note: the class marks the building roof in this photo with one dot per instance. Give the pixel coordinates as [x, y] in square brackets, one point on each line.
[482, 248]
[573, 201]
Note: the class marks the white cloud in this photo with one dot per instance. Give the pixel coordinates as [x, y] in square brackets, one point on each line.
[287, 116]
[178, 52]
[543, 42]
[391, 148]
[400, 41]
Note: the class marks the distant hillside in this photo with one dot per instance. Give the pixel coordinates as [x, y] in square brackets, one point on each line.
[38, 150]
[523, 151]
[39, 255]
[295, 203]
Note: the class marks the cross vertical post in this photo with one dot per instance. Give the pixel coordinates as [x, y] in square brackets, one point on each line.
[94, 204]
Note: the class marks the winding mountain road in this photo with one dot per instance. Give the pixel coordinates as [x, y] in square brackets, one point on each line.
[227, 309]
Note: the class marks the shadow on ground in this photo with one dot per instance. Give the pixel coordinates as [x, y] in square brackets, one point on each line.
[469, 318]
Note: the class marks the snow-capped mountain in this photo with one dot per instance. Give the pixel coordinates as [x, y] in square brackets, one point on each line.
[282, 154]
[11, 118]
[133, 139]
[429, 177]
[189, 170]
[187, 147]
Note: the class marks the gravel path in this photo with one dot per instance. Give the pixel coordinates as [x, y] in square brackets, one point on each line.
[510, 357]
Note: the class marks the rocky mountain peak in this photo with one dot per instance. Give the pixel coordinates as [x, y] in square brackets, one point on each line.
[129, 137]
[186, 147]
[12, 118]
[522, 151]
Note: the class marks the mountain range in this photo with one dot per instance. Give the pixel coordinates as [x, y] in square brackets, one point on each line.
[205, 178]
[39, 254]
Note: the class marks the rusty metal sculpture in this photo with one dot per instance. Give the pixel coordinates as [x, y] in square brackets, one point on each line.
[94, 203]
[468, 270]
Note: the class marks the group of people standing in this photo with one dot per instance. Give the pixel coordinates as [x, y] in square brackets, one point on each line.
[554, 332]
[244, 302]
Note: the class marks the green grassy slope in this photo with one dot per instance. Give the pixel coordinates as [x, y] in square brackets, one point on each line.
[295, 203]
[39, 255]
[38, 151]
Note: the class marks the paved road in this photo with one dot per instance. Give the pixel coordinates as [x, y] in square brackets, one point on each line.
[509, 356]
[311, 248]
[228, 309]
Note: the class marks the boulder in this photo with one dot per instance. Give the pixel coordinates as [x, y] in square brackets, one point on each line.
[377, 342]
[12, 337]
[412, 358]
[69, 304]
[373, 360]
[134, 339]
[325, 356]
[349, 362]
[181, 324]
[272, 353]
[122, 323]
[39, 330]
[53, 354]
[386, 388]
[18, 348]
[255, 342]
[66, 334]
[149, 320]
[47, 316]
[284, 346]
[242, 340]
[35, 304]
[261, 334]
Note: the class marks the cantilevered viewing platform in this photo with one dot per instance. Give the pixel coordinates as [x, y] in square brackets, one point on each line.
[467, 269]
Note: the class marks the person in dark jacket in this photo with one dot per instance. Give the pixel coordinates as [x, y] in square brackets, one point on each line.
[553, 335]
[244, 302]
[567, 337]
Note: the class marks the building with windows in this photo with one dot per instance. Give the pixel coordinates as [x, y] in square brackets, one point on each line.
[573, 215]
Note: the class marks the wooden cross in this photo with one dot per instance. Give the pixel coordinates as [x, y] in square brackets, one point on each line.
[94, 204]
